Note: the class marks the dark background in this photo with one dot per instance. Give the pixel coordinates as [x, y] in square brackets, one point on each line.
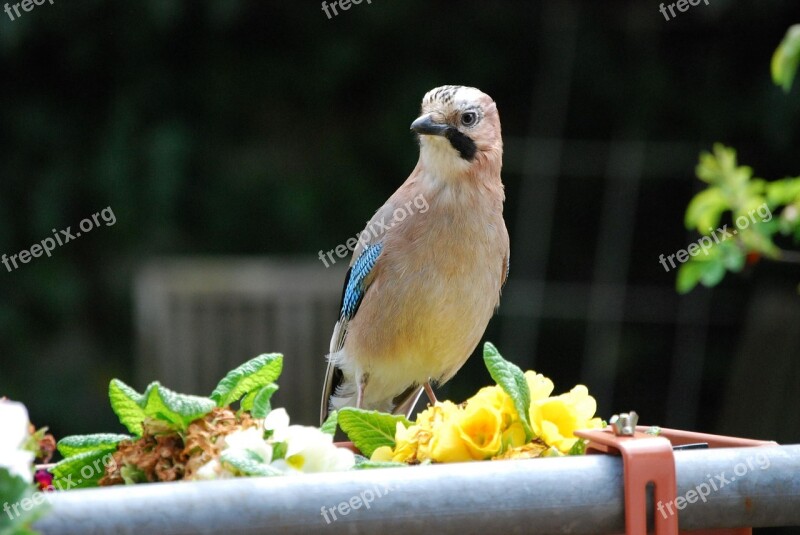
[230, 127]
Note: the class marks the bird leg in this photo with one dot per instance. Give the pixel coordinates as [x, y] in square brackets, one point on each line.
[362, 384]
[429, 392]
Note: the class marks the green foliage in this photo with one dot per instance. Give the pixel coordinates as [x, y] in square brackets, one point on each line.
[786, 59]
[257, 401]
[329, 426]
[246, 462]
[749, 203]
[73, 445]
[175, 411]
[84, 455]
[362, 463]
[512, 380]
[251, 376]
[579, 448]
[126, 404]
[13, 490]
[369, 430]
[82, 470]
[168, 411]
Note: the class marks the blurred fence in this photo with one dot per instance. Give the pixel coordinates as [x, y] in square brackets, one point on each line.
[198, 318]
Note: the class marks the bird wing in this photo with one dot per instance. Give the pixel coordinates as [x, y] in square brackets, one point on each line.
[356, 283]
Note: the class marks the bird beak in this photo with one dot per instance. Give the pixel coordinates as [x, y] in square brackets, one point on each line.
[426, 125]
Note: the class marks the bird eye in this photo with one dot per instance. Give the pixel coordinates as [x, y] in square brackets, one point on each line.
[469, 118]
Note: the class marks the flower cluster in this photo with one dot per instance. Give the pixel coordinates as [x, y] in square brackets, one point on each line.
[488, 426]
[288, 449]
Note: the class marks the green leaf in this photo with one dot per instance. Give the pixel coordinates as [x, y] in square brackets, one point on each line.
[177, 410]
[75, 444]
[128, 405]
[82, 470]
[579, 448]
[261, 403]
[705, 209]
[279, 450]
[369, 430]
[367, 464]
[733, 258]
[252, 375]
[330, 424]
[784, 191]
[713, 273]
[786, 58]
[512, 380]
[720, 169]
[14, 489]
[248, 463]
[688, 276]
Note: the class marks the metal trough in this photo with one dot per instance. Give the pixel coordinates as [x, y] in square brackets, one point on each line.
[741, 487]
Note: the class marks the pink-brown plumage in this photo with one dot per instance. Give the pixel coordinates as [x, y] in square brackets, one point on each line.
[437, 281]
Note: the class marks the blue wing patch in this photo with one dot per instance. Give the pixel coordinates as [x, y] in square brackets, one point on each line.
[354, 284]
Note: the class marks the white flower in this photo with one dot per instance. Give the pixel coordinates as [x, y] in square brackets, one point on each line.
[277, 421]
[212, 470]
[252, 440]
[310, 450]
[14, 433]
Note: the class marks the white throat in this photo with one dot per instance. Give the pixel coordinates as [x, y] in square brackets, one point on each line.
[440, 159]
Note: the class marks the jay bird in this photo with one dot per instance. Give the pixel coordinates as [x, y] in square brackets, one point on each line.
[420, 292]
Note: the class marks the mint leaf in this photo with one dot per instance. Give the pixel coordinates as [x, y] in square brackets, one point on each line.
[128, 405]
[330, 424]
[252, 375]
[178, 410]
[82, 470]
[511, 379]
[257, 401]
[369, 430]
[248, 463]
[75, 444]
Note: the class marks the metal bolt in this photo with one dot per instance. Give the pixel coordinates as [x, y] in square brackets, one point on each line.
[624, 424]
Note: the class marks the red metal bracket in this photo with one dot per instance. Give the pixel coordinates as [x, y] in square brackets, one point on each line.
[649, 459]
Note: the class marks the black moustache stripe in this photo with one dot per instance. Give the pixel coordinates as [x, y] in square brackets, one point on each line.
[462, 143]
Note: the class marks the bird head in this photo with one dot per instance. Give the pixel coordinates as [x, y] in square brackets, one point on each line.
[459, 131]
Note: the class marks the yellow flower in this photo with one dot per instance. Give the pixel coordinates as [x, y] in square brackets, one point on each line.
[384, 453]
[495, 397]
[514, 436]
[406, 442]
[539, 386]
[555, 419]
[443, 442]
[481, 430]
